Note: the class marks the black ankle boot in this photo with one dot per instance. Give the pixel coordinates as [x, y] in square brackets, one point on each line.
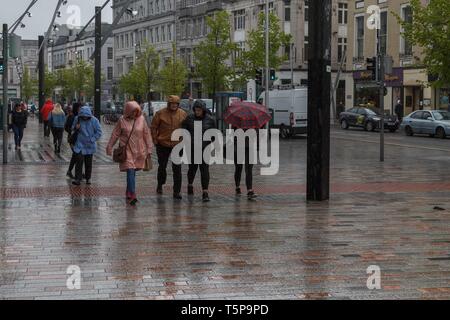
[206, 197]
[190, 190]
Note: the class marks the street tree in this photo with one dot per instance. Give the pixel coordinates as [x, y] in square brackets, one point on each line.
[429, 29]
[249, 61]
[78, 79]
[212, 54]
[173, 75]
[50, 83]
[30, 86]
[143, 76]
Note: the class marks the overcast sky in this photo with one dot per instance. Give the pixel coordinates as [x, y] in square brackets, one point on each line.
[43, 11]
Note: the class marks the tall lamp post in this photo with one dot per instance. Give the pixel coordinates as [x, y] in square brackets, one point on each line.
[5, 93]
[319, 88]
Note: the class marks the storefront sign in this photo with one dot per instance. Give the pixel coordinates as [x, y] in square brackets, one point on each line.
[392, 80]
[395, 79]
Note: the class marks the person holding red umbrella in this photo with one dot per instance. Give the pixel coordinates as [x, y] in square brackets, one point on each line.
[246, 116]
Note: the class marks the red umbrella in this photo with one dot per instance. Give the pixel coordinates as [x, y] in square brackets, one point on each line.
[247, 115]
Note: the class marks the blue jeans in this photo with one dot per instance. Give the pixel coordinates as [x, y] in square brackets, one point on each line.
[18, 135]
[131, 181]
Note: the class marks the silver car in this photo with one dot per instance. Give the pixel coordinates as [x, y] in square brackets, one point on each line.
[433, 123]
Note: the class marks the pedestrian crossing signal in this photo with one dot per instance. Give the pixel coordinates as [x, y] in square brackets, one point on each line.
[1, 65]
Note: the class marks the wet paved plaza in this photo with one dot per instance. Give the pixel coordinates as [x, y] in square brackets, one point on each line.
[278, 247]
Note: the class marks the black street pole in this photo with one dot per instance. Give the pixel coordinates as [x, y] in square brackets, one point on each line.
[98, 61]
[319, 99]
[41, 75]
[5, 93]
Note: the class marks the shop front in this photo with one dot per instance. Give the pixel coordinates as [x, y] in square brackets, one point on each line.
[366, 90]
[417, 94]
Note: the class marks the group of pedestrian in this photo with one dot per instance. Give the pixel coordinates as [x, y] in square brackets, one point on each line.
[137, 139]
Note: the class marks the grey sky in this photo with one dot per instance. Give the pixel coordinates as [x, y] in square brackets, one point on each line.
[42, 13]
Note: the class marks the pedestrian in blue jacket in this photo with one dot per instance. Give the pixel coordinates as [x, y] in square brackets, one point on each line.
[88, 131]
[57, 120]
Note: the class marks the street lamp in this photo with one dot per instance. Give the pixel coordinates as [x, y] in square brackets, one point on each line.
[132, 12]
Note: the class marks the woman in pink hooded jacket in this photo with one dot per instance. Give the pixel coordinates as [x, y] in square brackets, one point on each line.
[139, 147]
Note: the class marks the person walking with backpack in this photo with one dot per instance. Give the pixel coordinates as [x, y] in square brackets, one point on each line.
[86, 131]
[19, 118]
[57, 121]
[135, 142]
[200, 115]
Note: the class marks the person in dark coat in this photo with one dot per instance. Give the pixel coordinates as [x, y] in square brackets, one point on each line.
[73, 113]
[201, 115]
[19, 118]
[399, 110]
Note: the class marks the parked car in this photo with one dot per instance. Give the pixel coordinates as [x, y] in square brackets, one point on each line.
[367, 119]
[433, 123]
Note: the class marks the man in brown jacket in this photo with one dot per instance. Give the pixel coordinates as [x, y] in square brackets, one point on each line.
[164, 123]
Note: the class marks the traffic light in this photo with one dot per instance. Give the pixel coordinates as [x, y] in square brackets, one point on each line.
[272, 75]
[1, 65]
[372, 65]
[259, 77]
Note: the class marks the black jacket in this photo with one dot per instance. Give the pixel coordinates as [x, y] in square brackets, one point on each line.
[69, 123]
[19, 118]
[208, 122]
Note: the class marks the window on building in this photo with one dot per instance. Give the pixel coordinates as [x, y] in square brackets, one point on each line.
[169, 32]
[287, 10]
[150, 7]
[306, 10]
[360, 37]
[406, 45]
[239, 20]
[110, 73]
[110, 53]
[342, 48]
[306, 50]
[383, 32]
[342, 13]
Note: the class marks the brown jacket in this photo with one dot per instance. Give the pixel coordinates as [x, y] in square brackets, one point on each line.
[164, 123]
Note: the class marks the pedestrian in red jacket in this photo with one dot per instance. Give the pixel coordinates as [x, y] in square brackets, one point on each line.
[45, 112]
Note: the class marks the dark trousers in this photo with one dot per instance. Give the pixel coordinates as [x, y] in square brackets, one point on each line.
[239, 168]
[58, 134]
[163, 160]
[204, 172]
[73, 161]
[87, 161]
[46, 128]
[18, 134]
[248, 175]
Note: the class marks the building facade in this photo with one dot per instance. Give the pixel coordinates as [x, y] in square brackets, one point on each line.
[28, 61]
[64, 50]
[409, 80]
[153, 24]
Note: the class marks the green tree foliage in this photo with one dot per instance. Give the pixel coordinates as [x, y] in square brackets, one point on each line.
[143, 76]
[50, 83]
[212, 54]
[430, 30]
[255, 58]
[173, 76]
[29, 86]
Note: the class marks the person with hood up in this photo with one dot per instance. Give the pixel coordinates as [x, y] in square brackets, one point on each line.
[57, 120]
[19, 119]
[200, 114]
[164, 123]
[89, 132]
[45, 113]
[132, 128]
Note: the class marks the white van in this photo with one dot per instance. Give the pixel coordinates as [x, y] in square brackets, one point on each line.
[290, 108]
